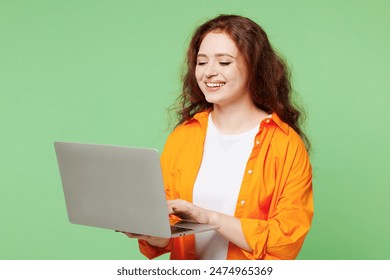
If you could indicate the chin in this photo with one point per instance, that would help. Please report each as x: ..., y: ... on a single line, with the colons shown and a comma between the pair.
x: 211, y: 99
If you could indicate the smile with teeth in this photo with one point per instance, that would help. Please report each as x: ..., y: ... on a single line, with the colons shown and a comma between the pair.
x: 215, y: 85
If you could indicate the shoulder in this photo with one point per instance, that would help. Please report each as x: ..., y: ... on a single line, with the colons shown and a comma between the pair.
x: 285, y: 139
x: 195, y: 127
x: 188, y: 135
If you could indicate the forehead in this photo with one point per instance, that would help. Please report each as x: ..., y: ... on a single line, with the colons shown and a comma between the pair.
x: 219, y: 42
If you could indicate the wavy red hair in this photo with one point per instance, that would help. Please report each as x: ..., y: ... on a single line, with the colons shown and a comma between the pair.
x: 268, y: 74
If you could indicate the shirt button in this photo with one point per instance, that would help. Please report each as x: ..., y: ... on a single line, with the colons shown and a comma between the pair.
x: 242, y: 202
x: 267, y: 120
x: 250, y: 171
x: 257, y: 142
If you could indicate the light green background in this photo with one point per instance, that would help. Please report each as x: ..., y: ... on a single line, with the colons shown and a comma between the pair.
x: 106, y: 71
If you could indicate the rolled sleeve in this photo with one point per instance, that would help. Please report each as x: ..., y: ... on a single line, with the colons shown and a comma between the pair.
x: 281, y: 236
x: 152, y: 252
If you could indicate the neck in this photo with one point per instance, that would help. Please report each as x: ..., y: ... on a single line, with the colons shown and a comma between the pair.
x: 237, y: 120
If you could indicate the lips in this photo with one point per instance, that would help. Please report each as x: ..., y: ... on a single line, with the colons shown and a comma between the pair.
x: 215, y: 84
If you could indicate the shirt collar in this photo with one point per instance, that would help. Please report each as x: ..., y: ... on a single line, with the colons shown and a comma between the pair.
x: 281, y: 124
x: 202, y: 118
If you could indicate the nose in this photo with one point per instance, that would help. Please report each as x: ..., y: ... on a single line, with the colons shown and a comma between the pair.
x: 210, y: 70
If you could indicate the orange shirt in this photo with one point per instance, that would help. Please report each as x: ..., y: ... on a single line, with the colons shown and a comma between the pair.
x: 275, y: 203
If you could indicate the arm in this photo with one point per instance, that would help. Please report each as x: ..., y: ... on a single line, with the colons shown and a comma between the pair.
x: 229, y: 226
x: 280, y: 233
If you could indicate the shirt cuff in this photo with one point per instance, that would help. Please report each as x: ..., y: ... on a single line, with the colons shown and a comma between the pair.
x: 152, y: 252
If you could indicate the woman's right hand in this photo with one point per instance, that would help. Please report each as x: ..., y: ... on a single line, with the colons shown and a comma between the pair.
x: 152, y: 240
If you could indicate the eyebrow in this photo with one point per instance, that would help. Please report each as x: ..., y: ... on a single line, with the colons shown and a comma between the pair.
x: 217, y: 55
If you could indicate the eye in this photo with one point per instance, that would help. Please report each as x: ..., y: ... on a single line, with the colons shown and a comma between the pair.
x: 224, y: 63
x: 200, y: 63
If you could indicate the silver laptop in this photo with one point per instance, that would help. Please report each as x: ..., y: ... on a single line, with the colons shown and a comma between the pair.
x: 118, y: 188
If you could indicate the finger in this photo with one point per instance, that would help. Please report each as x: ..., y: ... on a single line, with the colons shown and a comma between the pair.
x: 173, y: 204
x: 182, y: 208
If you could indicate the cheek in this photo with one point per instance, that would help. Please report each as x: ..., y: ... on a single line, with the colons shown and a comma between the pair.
x: 239, y: 77
x: 199, y: 77
x: 198, y: 74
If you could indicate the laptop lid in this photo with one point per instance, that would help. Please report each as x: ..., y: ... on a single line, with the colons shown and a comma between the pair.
x: 114, y: 187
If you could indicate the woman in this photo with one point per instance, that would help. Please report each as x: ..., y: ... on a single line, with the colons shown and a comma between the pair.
x: 236, y: 159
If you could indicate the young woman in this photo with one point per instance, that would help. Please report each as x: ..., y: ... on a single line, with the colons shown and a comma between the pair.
x: 238, y: 158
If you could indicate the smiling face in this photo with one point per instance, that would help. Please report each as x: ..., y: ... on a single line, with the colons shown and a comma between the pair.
x: 220, y: 71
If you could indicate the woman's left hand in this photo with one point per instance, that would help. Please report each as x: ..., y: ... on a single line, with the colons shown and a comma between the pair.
x: 188, y: 211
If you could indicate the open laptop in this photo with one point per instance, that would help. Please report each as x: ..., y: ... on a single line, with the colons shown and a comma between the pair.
x: 118, y: 188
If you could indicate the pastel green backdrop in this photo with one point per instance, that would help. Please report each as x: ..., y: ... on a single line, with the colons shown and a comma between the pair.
x: 106, y: 71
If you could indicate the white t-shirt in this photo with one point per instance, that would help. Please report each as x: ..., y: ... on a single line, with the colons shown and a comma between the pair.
x: 218, y: 182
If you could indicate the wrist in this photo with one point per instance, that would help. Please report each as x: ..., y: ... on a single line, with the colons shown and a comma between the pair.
x: 213, y: 218
x: 159, y: 243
